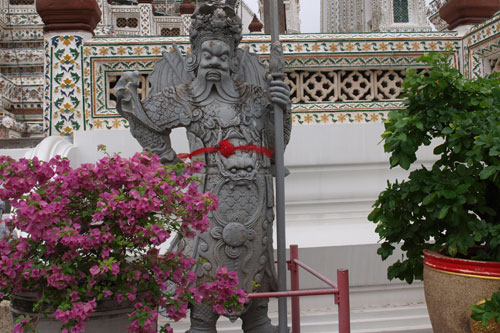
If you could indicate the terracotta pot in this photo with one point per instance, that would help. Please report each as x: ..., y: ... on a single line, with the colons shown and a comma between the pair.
x: 69, y: 15
x: 108, y: 317
x: 255, y: 25
x: 463, y: 12
x: 452, y: 285
x: 187, y: 7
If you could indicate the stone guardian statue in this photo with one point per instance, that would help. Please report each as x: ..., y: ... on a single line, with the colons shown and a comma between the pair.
x: 221, y: 95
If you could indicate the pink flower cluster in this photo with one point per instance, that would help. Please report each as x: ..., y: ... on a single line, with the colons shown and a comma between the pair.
x: 93, y: 232
x: 222, y: 292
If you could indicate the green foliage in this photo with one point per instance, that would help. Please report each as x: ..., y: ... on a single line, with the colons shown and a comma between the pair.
x: 454, y: 205
x: 488, y: 310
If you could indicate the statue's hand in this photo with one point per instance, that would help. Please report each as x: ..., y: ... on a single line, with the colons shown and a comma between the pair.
x: 126, y: 84
x: 279, y: 92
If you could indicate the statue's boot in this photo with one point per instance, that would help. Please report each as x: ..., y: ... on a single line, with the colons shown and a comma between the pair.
x: 203, y: 319
x: 255, y: 319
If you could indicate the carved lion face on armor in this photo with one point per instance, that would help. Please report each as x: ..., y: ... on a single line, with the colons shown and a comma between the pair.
x: 215, y: 28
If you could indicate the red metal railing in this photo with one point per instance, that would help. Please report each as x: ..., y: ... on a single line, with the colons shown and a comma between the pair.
x: 340, y: 290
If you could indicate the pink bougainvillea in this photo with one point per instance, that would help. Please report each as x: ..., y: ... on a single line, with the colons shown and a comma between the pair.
x: 93, y: 233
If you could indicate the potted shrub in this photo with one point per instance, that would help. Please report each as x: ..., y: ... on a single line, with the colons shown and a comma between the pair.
x: 89, y: 242
x: 451, y: 210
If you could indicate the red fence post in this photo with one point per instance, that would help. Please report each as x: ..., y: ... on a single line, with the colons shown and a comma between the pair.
x: 294, y: 282
x: 344, y: 310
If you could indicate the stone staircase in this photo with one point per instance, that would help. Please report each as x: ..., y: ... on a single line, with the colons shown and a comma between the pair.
x: 408, y: 319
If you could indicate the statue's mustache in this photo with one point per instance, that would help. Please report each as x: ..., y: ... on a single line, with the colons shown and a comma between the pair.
x: 212, y: 75
x: 210, y: 79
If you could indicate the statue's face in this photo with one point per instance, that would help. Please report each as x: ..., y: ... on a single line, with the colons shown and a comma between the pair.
x: 214, y: 62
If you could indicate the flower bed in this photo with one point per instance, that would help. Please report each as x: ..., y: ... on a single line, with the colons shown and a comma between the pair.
x: 93, y: 233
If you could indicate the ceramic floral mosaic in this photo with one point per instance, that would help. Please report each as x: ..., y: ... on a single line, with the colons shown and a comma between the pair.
x: 481, y: 43
x: 64, y: 100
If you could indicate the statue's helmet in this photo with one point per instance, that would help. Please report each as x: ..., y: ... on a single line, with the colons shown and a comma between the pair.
x: 214, y: 21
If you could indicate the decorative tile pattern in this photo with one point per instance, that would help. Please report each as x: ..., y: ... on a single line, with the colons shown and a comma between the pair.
x: 482, y: 42
x: 63, y: 112
x: 339, y: 113
x: 24, y: 34
x: 324, y: 85
x: 13, y: 92
x: 186, y: 23
x: 146, y: 19
x: 170, y: 23
x: 47, y: 114
x: 21, y: 56
x: 380, y: 58
x: 432, y: 12
x: 27, y: 18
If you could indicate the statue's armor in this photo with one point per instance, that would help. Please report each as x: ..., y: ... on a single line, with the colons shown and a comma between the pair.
x: 240, y: 235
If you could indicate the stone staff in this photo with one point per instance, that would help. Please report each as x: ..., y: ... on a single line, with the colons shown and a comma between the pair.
x: 276, y: 65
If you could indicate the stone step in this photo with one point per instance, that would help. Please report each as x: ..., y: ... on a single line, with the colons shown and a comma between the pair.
x: 411, y: 318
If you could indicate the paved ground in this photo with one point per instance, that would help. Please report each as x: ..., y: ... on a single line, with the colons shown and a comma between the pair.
x: 404, y: 319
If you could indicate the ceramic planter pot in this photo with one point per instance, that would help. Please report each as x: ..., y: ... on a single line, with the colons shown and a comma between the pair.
x: 69, y: 15
x: 464, y: 12
x: 109, y: 316
x: 452, y: 285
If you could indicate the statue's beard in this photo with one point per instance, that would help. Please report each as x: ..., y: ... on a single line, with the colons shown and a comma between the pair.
x: 213, y: 80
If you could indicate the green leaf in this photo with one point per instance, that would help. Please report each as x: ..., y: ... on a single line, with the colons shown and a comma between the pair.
x: 488, y: 171
x: 477, y: 309
x: 404, y: 162
x: 443, y: 212
x: 448, y: 194
x: 373, y: 215
x: 452, y: 249
x: 440, y: 149
x: 447, y: 131
x: 462, y: 188
x: 428, y: 199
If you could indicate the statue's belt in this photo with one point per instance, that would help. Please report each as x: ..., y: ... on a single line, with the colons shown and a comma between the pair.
x: 227, y: 149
